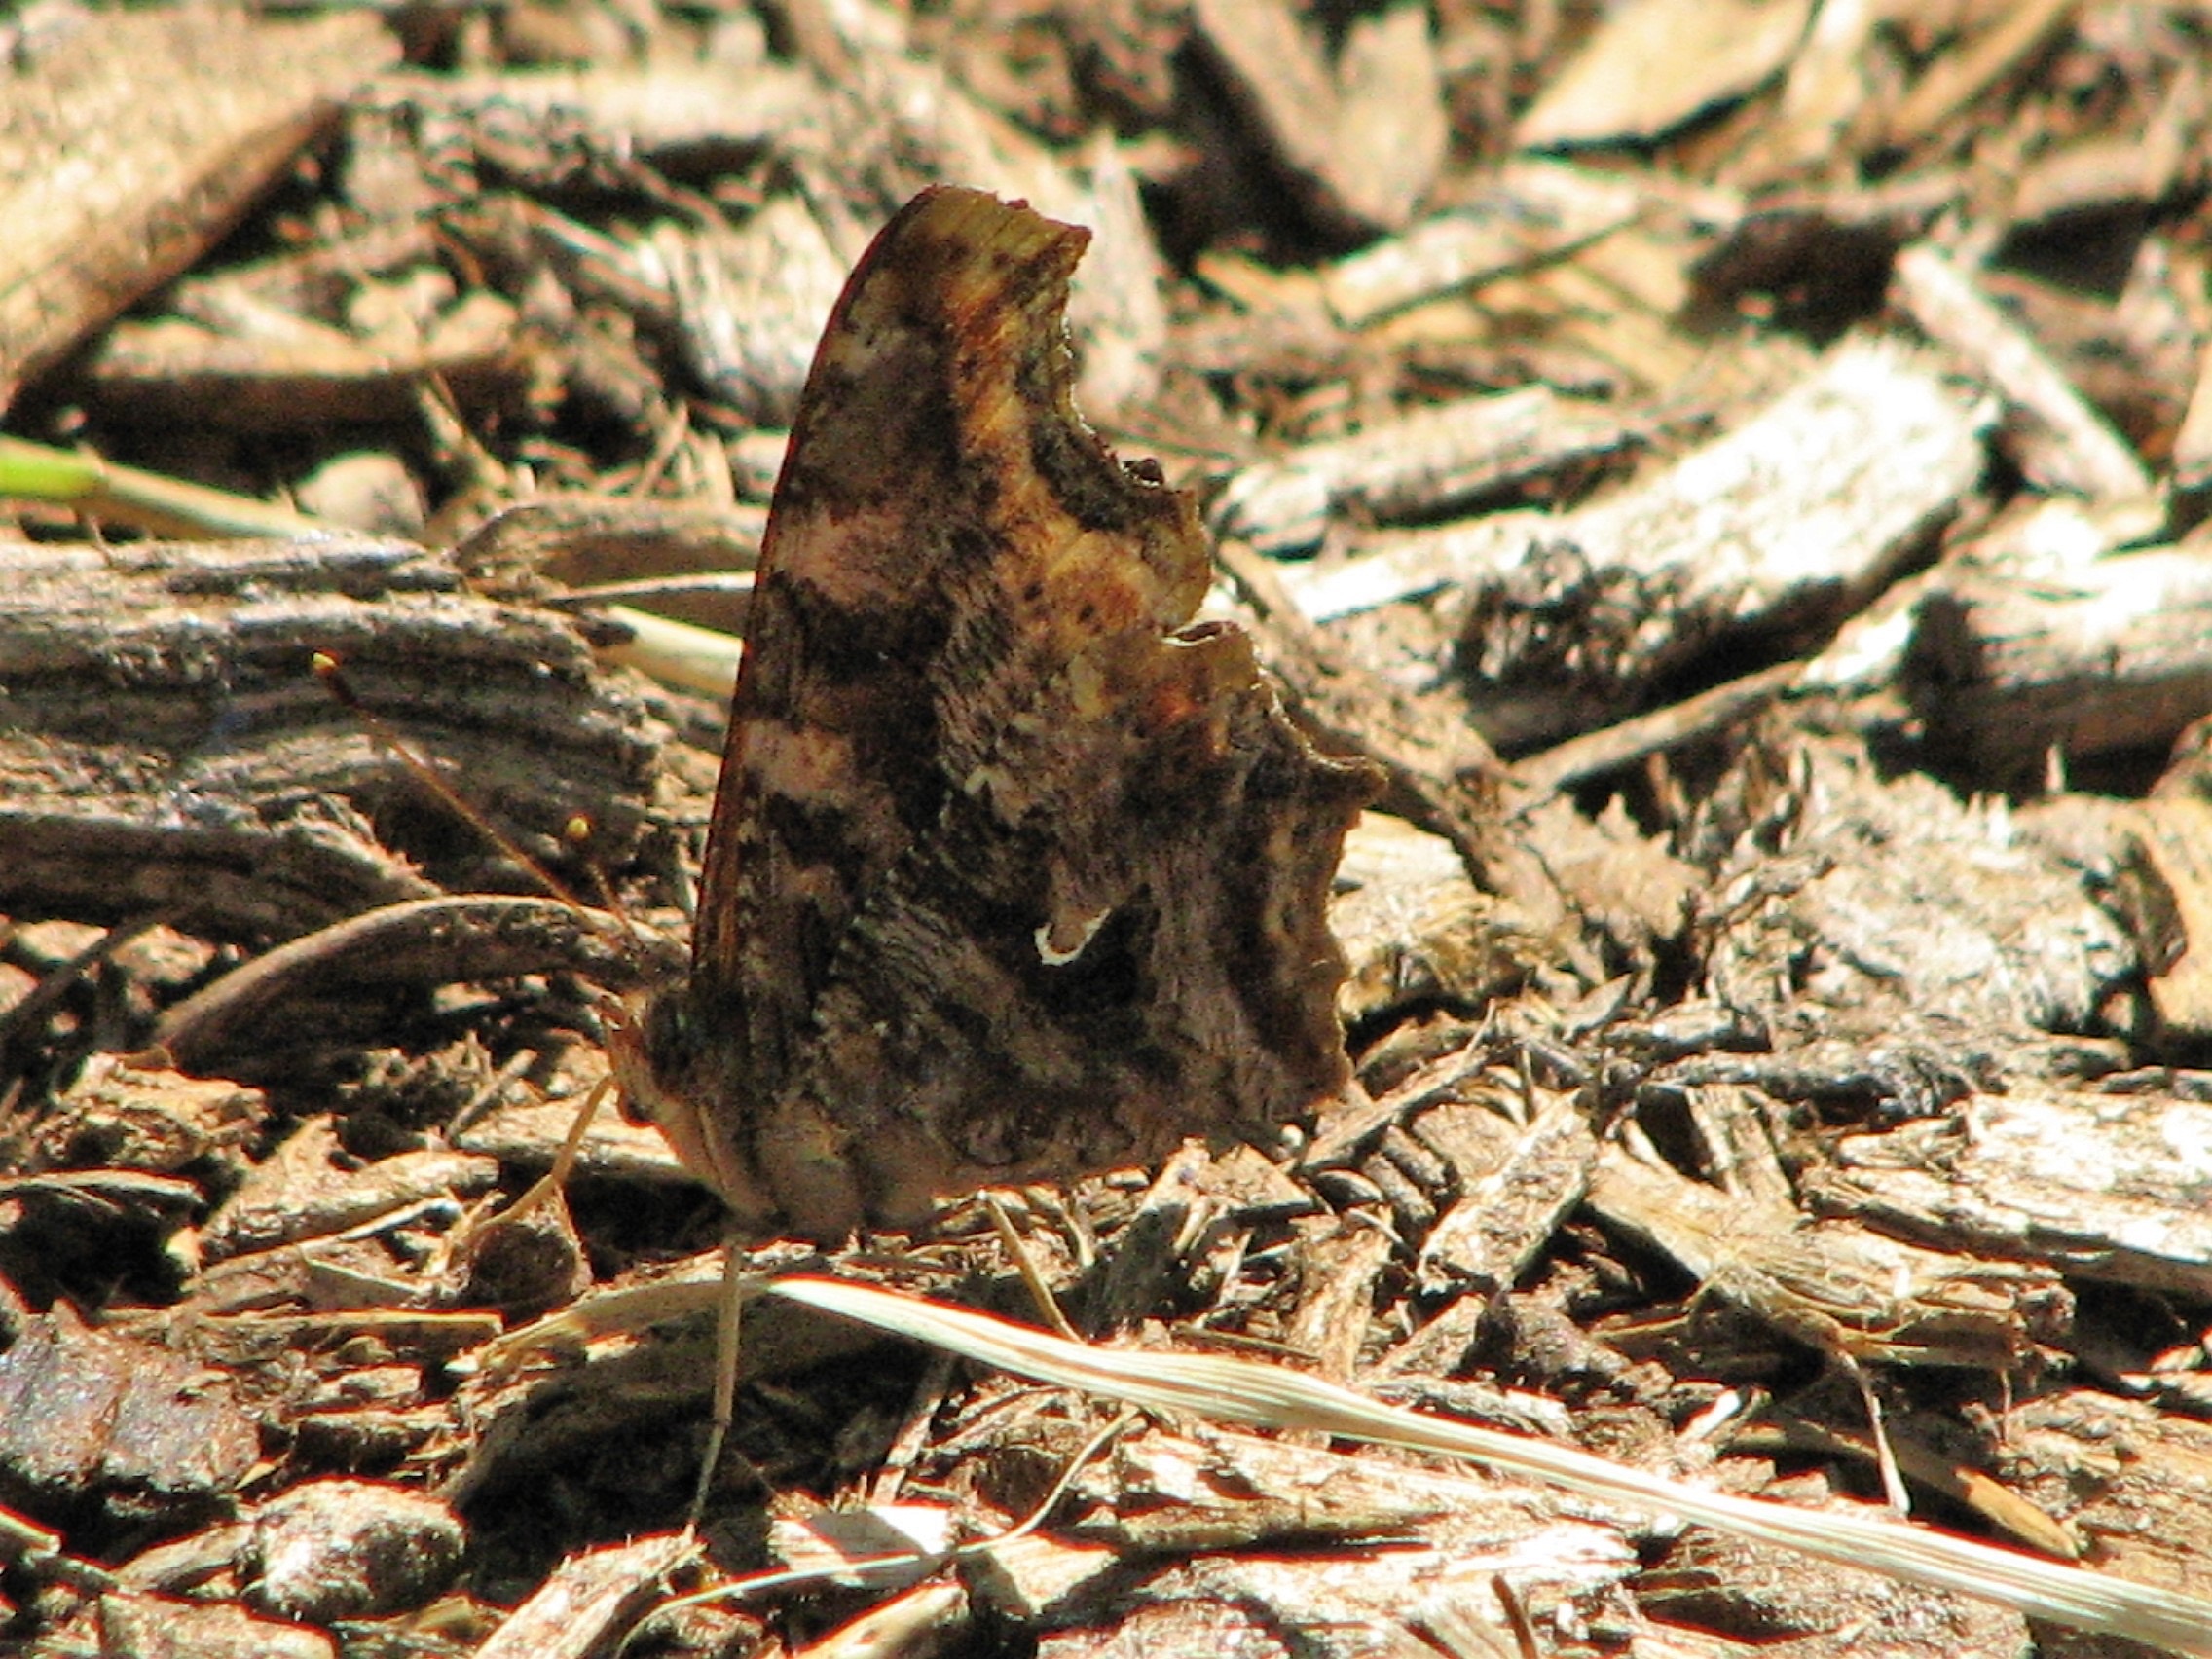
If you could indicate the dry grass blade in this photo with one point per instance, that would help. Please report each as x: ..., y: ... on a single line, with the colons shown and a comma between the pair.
x: 1269, y: 1396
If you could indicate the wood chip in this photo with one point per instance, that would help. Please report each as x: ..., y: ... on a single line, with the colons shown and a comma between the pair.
x: 1651, y: 66
x: 129, y: 149
x: 2064, y: 442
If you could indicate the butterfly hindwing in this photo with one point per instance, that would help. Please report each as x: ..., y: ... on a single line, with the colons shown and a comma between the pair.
x: 1012, y: 873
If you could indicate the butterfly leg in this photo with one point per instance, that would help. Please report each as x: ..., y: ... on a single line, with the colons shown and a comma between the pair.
x: 728, y: 1347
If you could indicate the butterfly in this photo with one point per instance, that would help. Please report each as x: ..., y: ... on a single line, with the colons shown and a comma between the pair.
x: 1014, y: 872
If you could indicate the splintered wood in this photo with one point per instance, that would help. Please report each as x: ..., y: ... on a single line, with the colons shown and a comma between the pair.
x: 1780, y: 528
x: 1736, y: 477
x: 103, y: 760
x: 101, y: 210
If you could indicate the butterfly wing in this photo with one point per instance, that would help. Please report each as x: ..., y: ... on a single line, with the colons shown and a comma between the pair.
x: 1011, y: 872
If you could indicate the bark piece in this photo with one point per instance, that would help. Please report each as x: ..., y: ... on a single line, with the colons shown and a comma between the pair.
x: 1788, y: 521
x: 598, y: 557
x: 1249, y: 1501
x: 284, y: 372
x: 89, y: 1415
x: 2128, y: 1477
x: 1910, y: 915
x: 245, y: 1341
x: 1749, y: 1597
x: 343, y: 1549
x: 1026, y: 1578
x: 1707, y: 715
x: 1360, y: 141
x: 1415, y: 929
x: 1391, y: 132
x: 306, y: 1191
x: 929, y: 1618
x: 2031, y: 541
x: 1151, y: 1253
x: 1829, y: 84
x: 2099, y: 1184
x: 1843, y: 1290
x: 529, y: 1137
x: 1532, y: 211
x: 2103, y: 657
x: 400, y: 947
x: 129, y: 1625
x: 1614, y: 876
x: 2008, y: 39
x: 749, y: 300
x: 2099, y: 175
x: 668, y: 113
x: 1413, y: 466
x: 371, y: 492
x: 1783, y: 526
x: 128, y: 1115
x: 590, y: 1600
x: 2171, y: 862
x: 1510, y: 1209
x: 2064, y: 443
x: 1651, y: 66
x: 2193, y: 444
x: 1340, y: 1260
x: 134, y: 146
x: 168, y: 749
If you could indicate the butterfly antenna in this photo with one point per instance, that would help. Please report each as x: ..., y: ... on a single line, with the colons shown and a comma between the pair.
x: 578, y: 834
x: 380, y: 730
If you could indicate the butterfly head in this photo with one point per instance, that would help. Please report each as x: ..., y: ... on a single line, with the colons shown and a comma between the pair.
x: 664, y: 1065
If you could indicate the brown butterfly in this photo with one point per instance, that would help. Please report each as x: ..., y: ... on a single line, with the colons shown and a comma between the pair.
x: 1014, y: 872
